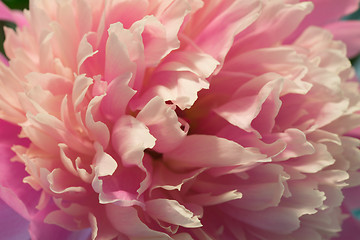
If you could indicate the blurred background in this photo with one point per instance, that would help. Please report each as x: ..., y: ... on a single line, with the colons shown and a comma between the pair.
x: 17, y: 4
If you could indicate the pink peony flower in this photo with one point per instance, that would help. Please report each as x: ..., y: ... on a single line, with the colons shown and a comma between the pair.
x: 178, y: 119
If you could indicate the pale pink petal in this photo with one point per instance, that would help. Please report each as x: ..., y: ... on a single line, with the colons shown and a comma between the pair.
x: 205, y: 151
x: 130, y: 147
x: 61, y: 182
x: 164, y: 178
x: 296, y: 145
x: 264, y: 188
x: 330, y: 222
x: 117, y: 98
x: 242, y: 111
x: 180, y: 78
x: 171, y: 14
x: 172, y: 212
x: 272, y: 26
x: 98, y: 131
x: 126, y: 140
x: 314, y: 162
x: 126, y: 220
x: 105, y: 165
x: 279, y: 220
x: 274, y: 60
x: 206, y: 199
x: 158, y: 41
x: 120, y: 46
x: 163, y: 124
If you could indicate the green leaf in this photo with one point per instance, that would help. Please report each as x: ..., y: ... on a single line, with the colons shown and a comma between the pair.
x: 17, y: 4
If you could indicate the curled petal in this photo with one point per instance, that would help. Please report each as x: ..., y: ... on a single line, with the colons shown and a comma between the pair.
x: 172, y: 212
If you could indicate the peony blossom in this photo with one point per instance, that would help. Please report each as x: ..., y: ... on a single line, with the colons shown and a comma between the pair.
x: 178, y: 119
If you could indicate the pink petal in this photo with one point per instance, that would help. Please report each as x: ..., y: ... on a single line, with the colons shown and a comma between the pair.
x: 244, y: 109
x: 274, y: 25
x: 12, y: 15
x: 348, y: 32
x: 154, y: 39
x: 40, y: 230
x: 263, y: 189
x: 210, y: 151
x: 164, y: 178
x: 325, y: 12
x: 296, y: 144
x: 180, y: 78
x: 126, y: 220
x: 105, y: 165
x: 98, y: 130
x: 217, y: 36
x: 3, y: 59
x: 171, y: 14
x: 314, y: 162
x: 163, y: 124
x: 101, y: 228
x: 20, y: 196
x: 117, y: 97
x: 172, y: 212
x: 12, y: 226
x: 280, y: 220
x: 350, y: 230
x: 5, y: 12
x: 130, y: 138
x: 207, y: 199
x: 121, y: 48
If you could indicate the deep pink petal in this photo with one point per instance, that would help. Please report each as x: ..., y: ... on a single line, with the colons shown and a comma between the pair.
x: 12, y: 225
x: 40, y: 230
x: 3, y: 59
x: 20, y: 196
x: 326, y: 12
x: 349, y: 33
x: 11, y: 15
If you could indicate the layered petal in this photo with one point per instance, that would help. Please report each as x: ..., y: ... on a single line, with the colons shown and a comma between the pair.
x: 179, y: 119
